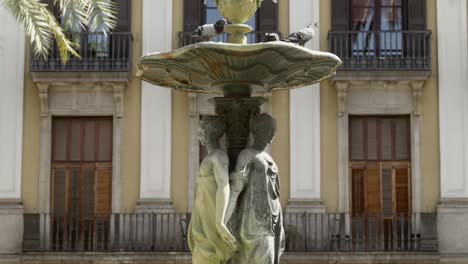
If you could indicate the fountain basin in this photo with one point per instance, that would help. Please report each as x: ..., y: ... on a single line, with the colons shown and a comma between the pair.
x: 213, y: 67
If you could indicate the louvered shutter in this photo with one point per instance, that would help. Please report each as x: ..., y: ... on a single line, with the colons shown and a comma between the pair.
x: 105, y: 140
x: 89, y: 179
x: 59, y: 191
x: 402, y: 191
x: 373, y: 189
x: 372, y: 139
x: 89, y: 140
x: 386, y: 139
x: 193, y: 14
x: 75, y: 140
x: 103, y: 191
x: 357, y: 139
x: 60, y: 139
x: 357, y: 192
x: 387, y: 191
x: 402, y: 141
x: 340, y: 14
x: 124, y: 16
x: 268, y: 17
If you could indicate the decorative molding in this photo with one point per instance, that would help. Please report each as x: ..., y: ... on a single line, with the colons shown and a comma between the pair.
x: 80, y: 99
x: 119, y: 90
x: 44, y: 98
x: 417, y: 87
x: 342, y: 90
x: 377, y: 98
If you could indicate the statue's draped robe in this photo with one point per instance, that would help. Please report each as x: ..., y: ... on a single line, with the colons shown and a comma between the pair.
x: 203, y: 237
x: 257, y: 222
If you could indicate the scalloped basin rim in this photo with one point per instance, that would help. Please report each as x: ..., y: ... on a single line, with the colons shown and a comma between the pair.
x: 199, y: 67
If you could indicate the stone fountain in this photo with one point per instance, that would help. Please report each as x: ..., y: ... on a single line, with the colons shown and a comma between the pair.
x: 236, y: 70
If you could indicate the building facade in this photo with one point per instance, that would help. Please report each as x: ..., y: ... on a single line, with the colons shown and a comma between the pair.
x: 371, y: 161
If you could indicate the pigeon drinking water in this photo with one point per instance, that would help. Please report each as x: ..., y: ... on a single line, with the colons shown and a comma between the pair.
x: 209, y: 31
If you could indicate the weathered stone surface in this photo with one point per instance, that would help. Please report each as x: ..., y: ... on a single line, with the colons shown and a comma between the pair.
x: 211, y: 67
x: 209, y: 239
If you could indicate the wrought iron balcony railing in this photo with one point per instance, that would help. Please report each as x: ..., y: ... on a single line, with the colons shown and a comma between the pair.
x: 186, y: 38
x: 167, y: 232
x: 386, y: 50
x: 99, y: 52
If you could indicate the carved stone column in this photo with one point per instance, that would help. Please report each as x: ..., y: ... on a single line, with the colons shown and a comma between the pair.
x: 237, y: 113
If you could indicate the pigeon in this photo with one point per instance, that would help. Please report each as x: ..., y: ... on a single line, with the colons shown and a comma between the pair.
x: 302, y: 36
x: 271, y: 37
x: 209, y: 31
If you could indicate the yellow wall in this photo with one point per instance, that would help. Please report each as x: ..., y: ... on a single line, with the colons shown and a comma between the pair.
x: 180, y: 128
x: 280, y: 109
x: 132, y: 126
x: 430, y: 161
x: 31, y: 141
x: 328, y: 123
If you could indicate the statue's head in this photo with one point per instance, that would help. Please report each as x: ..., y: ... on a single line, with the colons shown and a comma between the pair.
x: 211, y: 129
x: 263, y: 128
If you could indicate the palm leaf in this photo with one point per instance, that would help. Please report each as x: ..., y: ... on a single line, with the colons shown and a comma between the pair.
x: 101, y: 14
x: 42, y: 27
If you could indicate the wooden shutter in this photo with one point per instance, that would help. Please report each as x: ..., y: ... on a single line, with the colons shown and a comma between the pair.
x: 60, y: 140
x: 356, y: 139
x: 402, y: 191
x: 103, y: 191
x: 386, y: 139
x: 105, y: 140
x: 357, y: 192
x: 416, y: 14
x: 88, y: 184
x: 193, y: 14
x: 268, y: 17
x: 402, y: 141
x: 124, y: 16
x: 340, y: 14
x: 387, y: 191
x: 59, y: 193
x: 372, y: 139
x: 89, y: 140
x: 373, y: 189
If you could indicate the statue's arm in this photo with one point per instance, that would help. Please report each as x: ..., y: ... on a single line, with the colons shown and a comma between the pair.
x: 220, y: 168
x: 238, y: 179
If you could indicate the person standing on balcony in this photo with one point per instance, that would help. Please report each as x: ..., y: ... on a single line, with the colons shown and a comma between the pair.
x: 209, y: 239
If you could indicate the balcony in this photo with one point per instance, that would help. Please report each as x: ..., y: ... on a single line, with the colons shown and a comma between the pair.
x: 382, y: 51
x: 167, y: 232
x: 99, y: 53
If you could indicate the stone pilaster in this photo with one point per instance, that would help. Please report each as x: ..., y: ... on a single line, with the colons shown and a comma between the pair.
x: 305, y: 194
x: 11, y: 132
x: 156, y: 115
x: 453, y: 125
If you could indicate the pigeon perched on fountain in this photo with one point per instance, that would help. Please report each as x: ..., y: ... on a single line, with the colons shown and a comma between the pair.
x: 209, y: 31
x: 300, y: 37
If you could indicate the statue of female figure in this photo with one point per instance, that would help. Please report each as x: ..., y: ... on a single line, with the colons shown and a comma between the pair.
x: 254, y: 200
x: 209, y: 239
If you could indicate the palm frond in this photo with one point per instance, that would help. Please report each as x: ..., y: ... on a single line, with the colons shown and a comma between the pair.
x: 101, y: 14
x: 31, y: 14
x: 73, y: 14
x: 41, y: 26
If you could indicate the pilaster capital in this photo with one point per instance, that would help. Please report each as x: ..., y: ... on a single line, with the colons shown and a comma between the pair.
x: 43, y: 88
x: 119, y: 92
x: 417, y: 87
x: 342, y: 91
